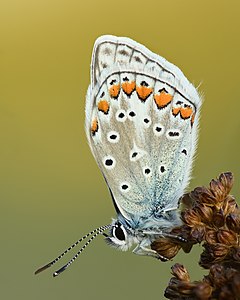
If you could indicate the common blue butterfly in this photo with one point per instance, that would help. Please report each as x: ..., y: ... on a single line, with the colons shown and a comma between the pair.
x: 141, y: 123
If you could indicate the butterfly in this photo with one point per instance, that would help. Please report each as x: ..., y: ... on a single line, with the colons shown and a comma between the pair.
x: 142, y: 127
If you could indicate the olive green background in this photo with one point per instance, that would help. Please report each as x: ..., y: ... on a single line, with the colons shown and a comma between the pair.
x: 52, y: 191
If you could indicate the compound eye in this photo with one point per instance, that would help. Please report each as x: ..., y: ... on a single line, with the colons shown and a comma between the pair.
x: 119, y: 232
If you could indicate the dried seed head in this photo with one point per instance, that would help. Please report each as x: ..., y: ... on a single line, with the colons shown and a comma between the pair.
x: 209, y: 215
x: 236, y: 256
x: 233, y: 221
x: 198, y: 234
x: 227, y: 180
x: 187, y: 201
x: 221, y: 187
x: 229, y: 205
x: 211, y: 236
x: 180, y: 272
x: 212, y: 254
x: 216, y: 275
x: 180, y: 287
x: 191, y: 217
x: 203, y: 195
x: 205, y: 213
x: 218, y: 217
x: 165, y: 247
x: 225, y: 282
x: 227, y: 237
x: 203, y: 291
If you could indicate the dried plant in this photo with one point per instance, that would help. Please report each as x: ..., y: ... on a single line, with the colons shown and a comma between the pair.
x: 211, y: 217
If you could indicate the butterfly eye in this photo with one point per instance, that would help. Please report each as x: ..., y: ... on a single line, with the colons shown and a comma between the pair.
x: 119, y: 232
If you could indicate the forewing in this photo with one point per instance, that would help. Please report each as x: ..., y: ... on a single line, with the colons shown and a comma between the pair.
x: 141, y: 123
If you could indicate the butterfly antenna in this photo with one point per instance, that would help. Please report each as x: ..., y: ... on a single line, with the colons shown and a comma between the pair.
x: 80, y: 251
x: 96, y: 231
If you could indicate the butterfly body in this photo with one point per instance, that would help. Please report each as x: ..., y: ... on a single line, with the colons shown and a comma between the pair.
x: 141, y: 123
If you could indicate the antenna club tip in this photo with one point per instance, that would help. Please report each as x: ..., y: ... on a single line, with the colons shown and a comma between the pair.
x: 42, y: 269
x: 55, y: 274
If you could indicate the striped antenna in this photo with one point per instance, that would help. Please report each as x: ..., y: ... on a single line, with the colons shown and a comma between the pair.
x: 77, y: 254
x: 96, y: 232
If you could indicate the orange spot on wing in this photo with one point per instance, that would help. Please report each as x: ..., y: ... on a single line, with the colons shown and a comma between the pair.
x: 192, y: 119
x: 94, y: 126
x: 176, y: 111
x: 163, y: 99
x: 103, y: 106
x: 128, y: 87
x: 114, y: 90
x: 143, y: 92
x: 186, y: 112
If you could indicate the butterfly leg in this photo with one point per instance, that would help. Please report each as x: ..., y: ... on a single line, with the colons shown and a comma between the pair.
x: 165, y: 235
x: 176, y: 237
x: 142, y: 249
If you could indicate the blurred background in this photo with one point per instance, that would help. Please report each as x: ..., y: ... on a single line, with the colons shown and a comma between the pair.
x: 52, y: 191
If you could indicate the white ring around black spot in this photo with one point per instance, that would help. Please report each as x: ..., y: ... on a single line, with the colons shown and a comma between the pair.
x: 158, y: 129
x: 121, y: 115
x: 173, y: 134
x: 147, y: 171
x: 109, y: 162
x: 113, y: 137
x: 125, y: 187
x: 147, y: 121
x: 131, y: 114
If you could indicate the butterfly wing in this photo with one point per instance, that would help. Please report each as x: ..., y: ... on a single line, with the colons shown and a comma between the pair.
x: 141, y: 123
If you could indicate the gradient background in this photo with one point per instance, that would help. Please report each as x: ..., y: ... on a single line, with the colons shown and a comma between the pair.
x: 51, y: 189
